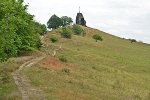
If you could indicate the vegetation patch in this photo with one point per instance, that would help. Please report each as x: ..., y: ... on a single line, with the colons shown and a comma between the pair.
x: 18, y: 31
x: 8, y: 89
x: 114, y: 69
x: 77, y: 29
x: 84, y: 33
x: 62, y: 58
x: 66, y: 32
x: 54, y: 38
x: 97, y: 37
x: 66, y: 70
x: 132, y: 40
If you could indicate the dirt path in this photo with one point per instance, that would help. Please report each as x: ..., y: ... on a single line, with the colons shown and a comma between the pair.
x: 24, y: 84
x: 54, y: 52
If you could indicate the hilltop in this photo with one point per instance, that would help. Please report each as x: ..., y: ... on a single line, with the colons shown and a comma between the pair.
x: 112, y: 69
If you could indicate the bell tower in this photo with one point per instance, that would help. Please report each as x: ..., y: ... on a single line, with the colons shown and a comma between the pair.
x: 79, y: 9
x: 80, y: 19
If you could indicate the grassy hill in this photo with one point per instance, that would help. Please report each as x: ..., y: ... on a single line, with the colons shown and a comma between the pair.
x: 114, y: 69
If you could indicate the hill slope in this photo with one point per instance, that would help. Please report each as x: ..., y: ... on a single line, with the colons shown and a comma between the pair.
x: 114, y: 69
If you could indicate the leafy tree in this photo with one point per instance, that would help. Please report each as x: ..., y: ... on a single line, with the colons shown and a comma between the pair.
x: 97, y: 37
x: 66, y: 20
x: 39, y: 28
x: 77, y: 29
x: 66, y: 32
x: 132, y: 40
x: 16, y: 31
x: 54, y: 22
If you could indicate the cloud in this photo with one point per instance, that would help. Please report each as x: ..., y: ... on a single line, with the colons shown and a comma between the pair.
x: 124, y: 18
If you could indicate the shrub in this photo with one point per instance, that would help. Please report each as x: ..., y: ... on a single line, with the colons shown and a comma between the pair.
x: 77, y: 29
x: 66, y: 70
x: 62, y: 58
x: 97, y: 37
x: 132, y: 40
x: 140, y: 41
x: 66, y: 32
x: 83, y: 33
x: 54, y: 38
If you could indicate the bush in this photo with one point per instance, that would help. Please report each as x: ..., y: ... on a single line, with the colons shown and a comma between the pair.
x: 77, y: 29
x: 66, y: 70
x: 66, y: 32
x: 63, y: 58
x: 140, y: 41
x: 132, y: 40
x: 83, y: 33
x: 54, y: 38
x: 97, y: 37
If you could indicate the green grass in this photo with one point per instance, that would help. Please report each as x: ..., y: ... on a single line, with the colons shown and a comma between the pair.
x: 112, y: 69
x: 8, y: 89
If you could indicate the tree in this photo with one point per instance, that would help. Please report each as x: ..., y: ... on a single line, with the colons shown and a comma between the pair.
x: 16, y: 31
x: 132, y: 40
x: 66, y: 20
x: 97, y: 37
x: 54, y: 22
x: 39, y: 28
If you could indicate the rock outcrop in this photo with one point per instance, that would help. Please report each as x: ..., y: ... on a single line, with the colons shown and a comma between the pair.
x: 80, y: 19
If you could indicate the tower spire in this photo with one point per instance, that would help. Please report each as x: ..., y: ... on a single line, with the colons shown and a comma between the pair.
x: 79, y: 9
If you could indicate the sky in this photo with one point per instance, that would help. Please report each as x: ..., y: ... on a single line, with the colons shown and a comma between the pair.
x: 122, y: 18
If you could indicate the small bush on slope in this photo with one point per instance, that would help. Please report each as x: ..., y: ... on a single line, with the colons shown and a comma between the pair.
x: 54, y: 39
x: 66, y: 32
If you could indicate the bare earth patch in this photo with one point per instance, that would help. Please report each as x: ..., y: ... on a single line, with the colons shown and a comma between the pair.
x: 21, y: 59
x: 52, y: 62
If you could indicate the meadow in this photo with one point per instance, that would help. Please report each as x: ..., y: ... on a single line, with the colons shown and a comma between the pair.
x: 8, y: 89
x: 112, y: 69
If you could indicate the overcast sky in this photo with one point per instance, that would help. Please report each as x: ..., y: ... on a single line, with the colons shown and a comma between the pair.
x: 123, y: 18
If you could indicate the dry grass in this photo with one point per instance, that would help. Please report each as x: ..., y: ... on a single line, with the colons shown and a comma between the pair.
x: 113, y: 69
x: 8, y: 88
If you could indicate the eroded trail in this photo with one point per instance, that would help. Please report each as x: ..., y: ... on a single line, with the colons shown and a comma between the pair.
x: 24, y: 84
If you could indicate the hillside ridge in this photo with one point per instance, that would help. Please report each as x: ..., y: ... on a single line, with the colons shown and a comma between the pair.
x: 82, y: 69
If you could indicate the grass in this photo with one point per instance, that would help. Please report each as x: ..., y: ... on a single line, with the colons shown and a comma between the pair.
x: 112, y: 69
x: 8, y: 89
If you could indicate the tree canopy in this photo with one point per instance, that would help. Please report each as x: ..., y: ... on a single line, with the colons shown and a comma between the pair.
x: 17, y: 33
x: 97, y: 37
x: 54, y: 22
x: 39, y: 28
x: 132, y: 40
x: 66, y: 20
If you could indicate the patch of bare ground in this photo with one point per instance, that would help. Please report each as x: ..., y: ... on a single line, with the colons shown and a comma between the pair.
x: 26, y: 56
x: 53, y: 62
x: 21, y: 59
